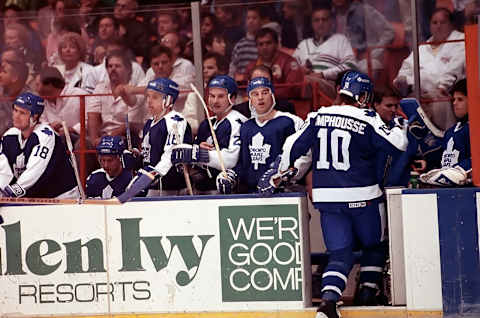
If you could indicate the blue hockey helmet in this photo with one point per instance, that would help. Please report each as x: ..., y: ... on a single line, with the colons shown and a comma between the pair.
x: 165, y: 86
x: 31, y: 102
x: 111, y: 145
x: 225, y: 82
x: 357, y: 86
x: 259, y: 82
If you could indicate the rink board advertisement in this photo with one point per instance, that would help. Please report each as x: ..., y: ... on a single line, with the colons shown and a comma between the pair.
x: 241, y: 253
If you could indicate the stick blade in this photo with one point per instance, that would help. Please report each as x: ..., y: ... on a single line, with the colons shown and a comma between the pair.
x: 142, y: 183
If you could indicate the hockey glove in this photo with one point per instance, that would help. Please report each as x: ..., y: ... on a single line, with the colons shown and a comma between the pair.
x: 226, y: 184
x: 186, y: 153
x: 272, y: 180
x: 445, y: 177
x: 13, y: 191
x: 144, y: 178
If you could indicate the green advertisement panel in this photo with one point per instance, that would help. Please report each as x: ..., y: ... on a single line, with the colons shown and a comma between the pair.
x: 260, y: 249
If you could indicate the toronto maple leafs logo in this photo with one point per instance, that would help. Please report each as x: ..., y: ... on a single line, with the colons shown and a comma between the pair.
x: 107, y: 192
x: 450, y: 155
x: 259, y: 152
x: 19, y: 166
x: 177, y: 118
x: 47, y: 131
x: 370, y: 113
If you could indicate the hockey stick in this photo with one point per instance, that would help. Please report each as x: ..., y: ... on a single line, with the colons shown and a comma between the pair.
x: 186, y: 175
x: 214, y: 136
x: 128, y: 133
x: 74, y: 161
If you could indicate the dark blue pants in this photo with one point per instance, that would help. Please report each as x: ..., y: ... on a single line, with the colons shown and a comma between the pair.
x: 342, y: 225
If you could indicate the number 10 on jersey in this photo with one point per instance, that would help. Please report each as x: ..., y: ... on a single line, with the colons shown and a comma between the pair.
x: 339, y: 142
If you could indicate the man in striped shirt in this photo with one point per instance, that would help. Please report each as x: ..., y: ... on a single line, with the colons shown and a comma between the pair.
x: 327, y: 53
x: 245, y: 50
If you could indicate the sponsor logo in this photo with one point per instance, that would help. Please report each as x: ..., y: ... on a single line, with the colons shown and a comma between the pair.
x: 260, y: 250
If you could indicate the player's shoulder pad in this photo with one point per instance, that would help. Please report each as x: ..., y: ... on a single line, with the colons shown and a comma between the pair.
x: 236, y: 118
x: 12, y: 132
x: 96, y: 174
x: 45, y: 133
x: 298, y: 122
x: 175, y: 117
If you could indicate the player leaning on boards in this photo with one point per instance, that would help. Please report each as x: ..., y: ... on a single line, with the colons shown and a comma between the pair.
x: 261, y: 138
x: 222, y: 91
x: 33, y: 158
x: 344, y: 141
x: 161, y: 133
x: 112, y: 178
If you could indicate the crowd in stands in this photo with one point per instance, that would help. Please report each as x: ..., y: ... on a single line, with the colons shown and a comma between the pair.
x: 113, y: 49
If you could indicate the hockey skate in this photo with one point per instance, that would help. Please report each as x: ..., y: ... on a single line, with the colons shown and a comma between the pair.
x: 327, y: 309
x: 366, y: 296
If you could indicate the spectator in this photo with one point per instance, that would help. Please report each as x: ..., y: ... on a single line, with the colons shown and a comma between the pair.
x: 134, y: 33
x: 269, y: 20
x: 245, y: 51
x: 441, y: 65
x: 13, y: 77
x: 365, y: 27
x: 61, y: 25
x: 247, y: 110
x: 106, y: 114
x: 100, y: 74
x: 216, y: 43
x: 167, y: 22
x: 16, y: 36
x: 185, y: 23
x: 99, y: 54
x: 229, y: 21
x: 213, y: 64
x: 13, y: 15
x: 208, y: 25
x: 58, y: 109
x: 45, y: 17
x: 284, y: 67
x: 326, y: 54
x: 88, y: 11
x: 108, y: 29
x: 294, y: 23
x: 72, y: 52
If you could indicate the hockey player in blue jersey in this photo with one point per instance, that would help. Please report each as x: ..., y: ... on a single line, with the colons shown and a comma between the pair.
x: 161, y: 133
x: 456, y: 162
x: 261, y: 138
x: 111, y: 179
x: 222, y: 90
x: 344, y: 141
x: 33, y: 158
